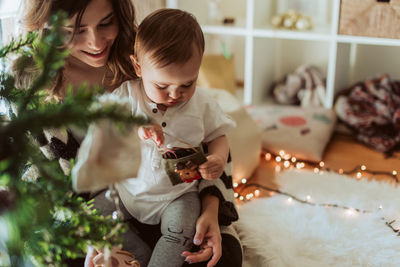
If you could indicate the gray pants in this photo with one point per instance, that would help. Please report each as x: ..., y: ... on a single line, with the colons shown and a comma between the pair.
x: 178, y: 226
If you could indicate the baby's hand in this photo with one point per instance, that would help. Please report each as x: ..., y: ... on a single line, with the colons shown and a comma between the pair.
x: 212, y: 168
x: 153, y: 131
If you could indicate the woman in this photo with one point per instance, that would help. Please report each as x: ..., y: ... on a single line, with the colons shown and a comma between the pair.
x: 102, y: 34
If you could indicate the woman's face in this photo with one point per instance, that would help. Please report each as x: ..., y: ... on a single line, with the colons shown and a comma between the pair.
x: 95, y: 35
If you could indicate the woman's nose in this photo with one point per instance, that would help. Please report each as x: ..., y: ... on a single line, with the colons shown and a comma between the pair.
x: 95, y: 41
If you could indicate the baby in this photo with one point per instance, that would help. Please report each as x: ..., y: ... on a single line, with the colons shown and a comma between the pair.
x: 167, y: 55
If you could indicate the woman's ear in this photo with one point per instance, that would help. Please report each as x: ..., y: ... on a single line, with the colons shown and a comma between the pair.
x: 136, y: 65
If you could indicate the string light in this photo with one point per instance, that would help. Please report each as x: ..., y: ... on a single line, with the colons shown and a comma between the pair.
x: 292, y: 161
x: 348, y: 210
x: 287, y: 157
x: 286, y: 164
x: 363, y: 167
x: 284, y: 160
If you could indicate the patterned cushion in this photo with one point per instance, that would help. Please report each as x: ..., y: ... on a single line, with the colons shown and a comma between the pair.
x: 300, y: 132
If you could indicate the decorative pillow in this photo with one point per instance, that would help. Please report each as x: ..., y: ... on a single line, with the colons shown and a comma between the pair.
x: 244, y: 140
x: 300, y: 132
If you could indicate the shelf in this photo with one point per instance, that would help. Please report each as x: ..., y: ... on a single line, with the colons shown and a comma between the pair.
x: 264, y: 54
x: 367, y: 40
x: 224, y: 30
x: 283, y: 34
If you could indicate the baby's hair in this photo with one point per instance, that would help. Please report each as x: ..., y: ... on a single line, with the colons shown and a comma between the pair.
x: 169, y: 35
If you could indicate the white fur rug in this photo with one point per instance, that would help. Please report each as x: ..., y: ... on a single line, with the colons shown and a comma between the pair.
x: 279, y: 232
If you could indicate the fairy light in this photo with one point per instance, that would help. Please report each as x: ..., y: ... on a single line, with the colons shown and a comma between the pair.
x: 244, y: 181
x: 287, y: 157
x: 322, y: 164
x: 268, y: 156
x: 236, y: 194
x: 394, y: 173
x: 281, y: 153
x: 359, y: 174
x: 278, y: 159
x: 350, y: 212
x: 235, y: 185
x: 293, y: 159
x: 363, y: 167
x: 316, y: 170
x: 286, y: 164
x: 277, y: 168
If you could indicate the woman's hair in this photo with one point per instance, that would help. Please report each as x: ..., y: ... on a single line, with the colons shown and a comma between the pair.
x: 37, y: 13
x: 169, y: 35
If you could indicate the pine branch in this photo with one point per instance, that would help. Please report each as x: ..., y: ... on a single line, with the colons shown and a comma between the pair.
x: 16, y: 45
x: 47, y: 222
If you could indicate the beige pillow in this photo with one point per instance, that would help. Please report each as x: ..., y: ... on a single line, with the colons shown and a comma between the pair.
x: 300, y: 132
x: 244, y: 140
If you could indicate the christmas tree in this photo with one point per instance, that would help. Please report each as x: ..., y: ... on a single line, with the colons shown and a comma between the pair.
x: 42, y: 221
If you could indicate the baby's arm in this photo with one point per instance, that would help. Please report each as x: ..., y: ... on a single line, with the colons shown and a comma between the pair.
x: 218, y: 155
x: 153, y: 131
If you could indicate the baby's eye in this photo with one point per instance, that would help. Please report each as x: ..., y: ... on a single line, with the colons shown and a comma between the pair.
x: 187, y: 85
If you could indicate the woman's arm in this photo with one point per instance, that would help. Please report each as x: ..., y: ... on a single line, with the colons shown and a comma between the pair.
x: 207, y: 235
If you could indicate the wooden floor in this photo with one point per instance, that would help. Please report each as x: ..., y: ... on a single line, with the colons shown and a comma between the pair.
x: 343, y: 152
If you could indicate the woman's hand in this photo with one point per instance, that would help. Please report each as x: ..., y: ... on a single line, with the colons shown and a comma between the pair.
x: 207, y: 235
x: 153, y: 131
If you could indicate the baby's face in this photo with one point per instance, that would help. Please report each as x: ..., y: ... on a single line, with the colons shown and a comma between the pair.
x: 172, y: 84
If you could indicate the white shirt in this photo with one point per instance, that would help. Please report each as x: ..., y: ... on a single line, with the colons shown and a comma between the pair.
x: 198, y: 120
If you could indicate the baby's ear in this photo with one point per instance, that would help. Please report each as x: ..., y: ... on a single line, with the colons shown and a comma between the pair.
x: 136, y: 65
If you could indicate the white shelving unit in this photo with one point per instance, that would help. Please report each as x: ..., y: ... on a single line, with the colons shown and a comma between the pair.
x: 263, y: 54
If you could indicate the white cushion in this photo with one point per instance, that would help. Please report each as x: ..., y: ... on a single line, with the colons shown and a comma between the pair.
x: 244, y: 140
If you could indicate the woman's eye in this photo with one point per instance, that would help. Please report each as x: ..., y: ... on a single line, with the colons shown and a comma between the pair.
x: 161, y: 87
x: 105, y: 24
